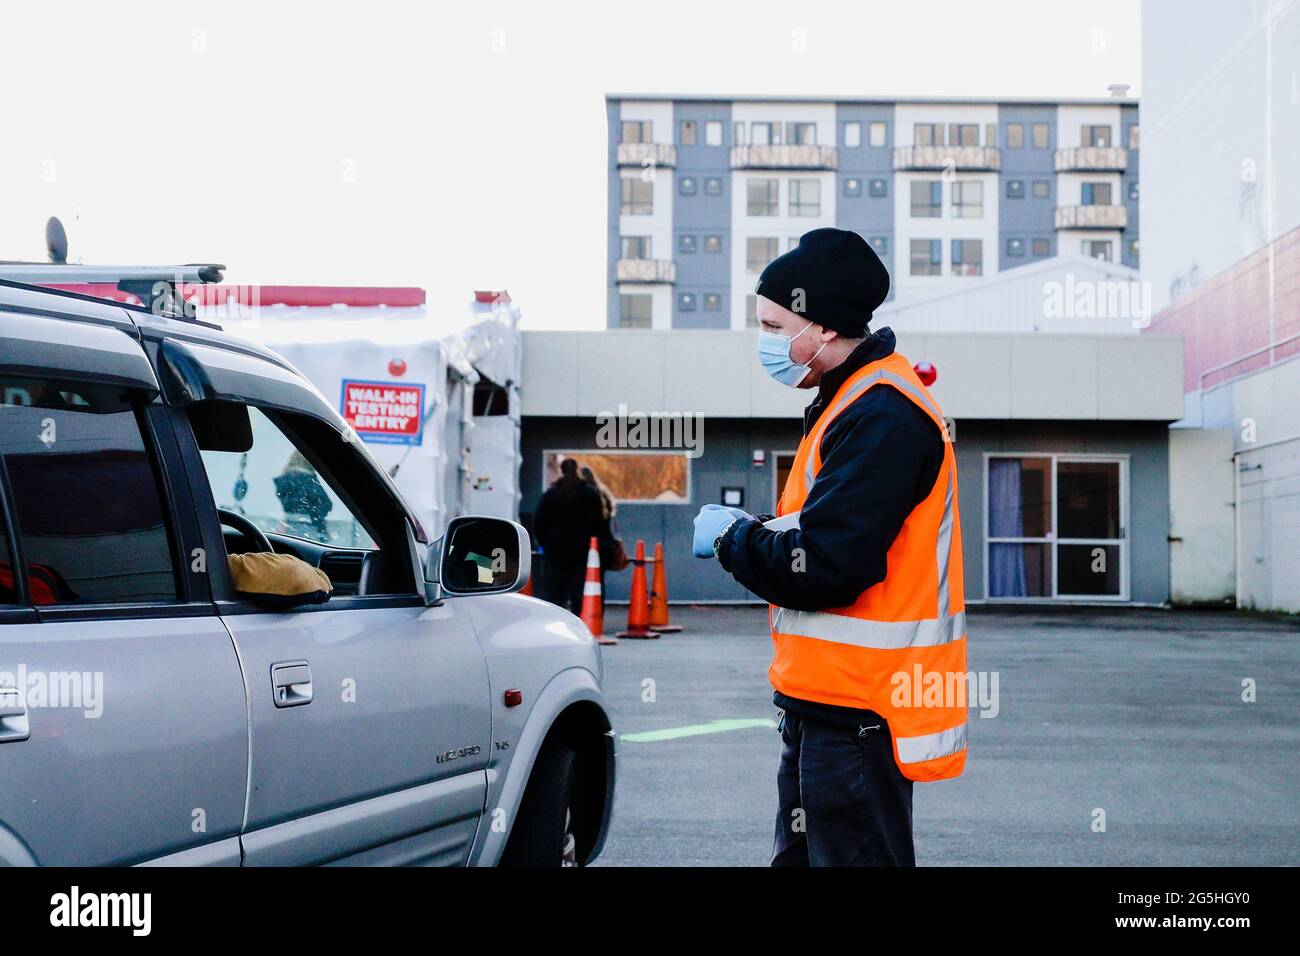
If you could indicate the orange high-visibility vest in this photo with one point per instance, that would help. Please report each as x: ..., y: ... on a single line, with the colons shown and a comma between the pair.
x: 900, y: 648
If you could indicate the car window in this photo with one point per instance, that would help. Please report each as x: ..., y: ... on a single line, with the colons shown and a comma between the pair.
x: 8, y: 587
x: 85, y: 494
x: 276, y: 486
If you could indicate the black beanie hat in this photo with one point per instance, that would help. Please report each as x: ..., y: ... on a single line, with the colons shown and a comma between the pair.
x: 833, y: 277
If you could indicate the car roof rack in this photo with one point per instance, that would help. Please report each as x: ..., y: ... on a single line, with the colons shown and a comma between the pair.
x: 158, y: 288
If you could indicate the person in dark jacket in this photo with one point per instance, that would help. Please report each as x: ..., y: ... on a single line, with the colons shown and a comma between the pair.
x: 567, y: 518
x: 880, y: 458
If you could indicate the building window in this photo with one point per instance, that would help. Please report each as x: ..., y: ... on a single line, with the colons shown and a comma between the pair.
x: 1015, y: 247
x: 687, y: 133
x: 792, y: 242
x: 713, y: 133
x: 968, y: 200
x: 686, y: 301
x: 876, y: 135
x: 760, y: 134
x: 712, y: 186
x: 1096, y: 194
x: 852, y: 134
x: 751, y: 311
x: 1133, y: 137
x: 801, y: 134
x: 1042, y: 189
x: 1040, y: 134
x: 636, y: 247
x: 638, y: 196
x: 967, y: 257
x: 1097, y: 249
x: 638, y: 131
x: 650, y: 477
x: 853, y: 187
x: 805, y: 197
x: 1041, y: 248
x: 763, y: 197
x: 963, y: 134
x: 1047, y: 518
x: 759, y: 251
x: 878, y: 188
x: 1096, y: 136
x: 990, y: 134
x: 1015, y: 135
x: 927, y: 199
x: 1133, y: 190
x: 685, y: 243
x: 738, y: 133
x: 634, y: 311
x: 880, y: 244
x: 1133, y: 248
x: 686, y: 185
x: 1015, y: 189
x: 712, y: 243
x: 927, y: 257
x: 712, y: 302
x: 927, y: 134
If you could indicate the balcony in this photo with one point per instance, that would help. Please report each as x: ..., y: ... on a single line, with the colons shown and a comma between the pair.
x: 646, y: 270
x: 1091, y: 217
x: 1092, y: 159
x: 784, y: 156
x: 962, y: 158
x: 643, y: 155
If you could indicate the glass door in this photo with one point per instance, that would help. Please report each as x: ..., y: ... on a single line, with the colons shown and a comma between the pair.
x: 1055, y: 527
x: 1090, y: 558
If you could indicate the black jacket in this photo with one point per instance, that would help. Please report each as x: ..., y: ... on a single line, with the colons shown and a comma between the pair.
x: 880, y: 459
x: 565, y: 523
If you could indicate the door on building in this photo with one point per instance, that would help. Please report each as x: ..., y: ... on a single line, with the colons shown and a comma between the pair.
x: 1056, y: 527
x: 783, y: 462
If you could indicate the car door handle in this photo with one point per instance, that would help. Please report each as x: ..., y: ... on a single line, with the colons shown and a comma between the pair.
x: 14, y: 725
x: 291, y: 683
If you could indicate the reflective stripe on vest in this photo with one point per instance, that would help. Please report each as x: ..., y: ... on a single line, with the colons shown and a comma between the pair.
x: 931, y: 746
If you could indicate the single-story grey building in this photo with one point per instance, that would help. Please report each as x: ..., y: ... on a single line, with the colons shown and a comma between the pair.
x: 1062, y: 443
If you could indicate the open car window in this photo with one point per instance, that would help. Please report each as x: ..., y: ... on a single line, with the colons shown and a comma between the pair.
x: 278, y: 488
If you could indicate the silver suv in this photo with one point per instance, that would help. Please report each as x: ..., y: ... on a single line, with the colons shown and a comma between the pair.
x: 149, y: 712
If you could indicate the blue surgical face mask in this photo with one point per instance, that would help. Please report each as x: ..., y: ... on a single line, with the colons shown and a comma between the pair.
x: 774, y: 353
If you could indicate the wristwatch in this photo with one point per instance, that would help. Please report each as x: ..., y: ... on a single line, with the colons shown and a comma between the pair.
x: 717, y: 542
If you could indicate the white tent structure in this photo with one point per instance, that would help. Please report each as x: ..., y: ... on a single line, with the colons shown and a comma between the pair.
x: 436, y: 398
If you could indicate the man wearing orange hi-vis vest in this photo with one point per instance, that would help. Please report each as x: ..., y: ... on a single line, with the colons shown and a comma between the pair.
x: 861, y: 565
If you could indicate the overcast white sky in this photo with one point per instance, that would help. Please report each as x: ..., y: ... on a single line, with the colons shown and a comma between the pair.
x: 393, y: 144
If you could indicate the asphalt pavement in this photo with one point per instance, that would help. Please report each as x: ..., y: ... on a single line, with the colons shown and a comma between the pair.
x: 1121, y: 737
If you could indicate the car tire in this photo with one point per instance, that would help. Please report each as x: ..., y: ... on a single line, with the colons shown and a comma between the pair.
x: 546, y: 827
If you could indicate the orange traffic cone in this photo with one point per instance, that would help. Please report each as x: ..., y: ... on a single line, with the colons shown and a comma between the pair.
x: 638, y: 608
x: 659, y: 596
x: 593, y: 611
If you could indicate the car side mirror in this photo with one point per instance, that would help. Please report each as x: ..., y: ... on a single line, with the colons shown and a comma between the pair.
x: 479, y: 555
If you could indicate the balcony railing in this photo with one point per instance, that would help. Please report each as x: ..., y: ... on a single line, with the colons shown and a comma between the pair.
x: 1092, y: 159
x: 646, y: 270
x: 647, y: 154
x: 784, y: 156
x: 971, y: 158
x: 1091, y: 217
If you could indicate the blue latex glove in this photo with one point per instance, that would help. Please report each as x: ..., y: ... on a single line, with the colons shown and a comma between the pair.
x: 711, y: 520
x: 735, y: 512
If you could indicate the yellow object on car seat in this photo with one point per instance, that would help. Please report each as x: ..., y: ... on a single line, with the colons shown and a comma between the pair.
x: 278, y: 580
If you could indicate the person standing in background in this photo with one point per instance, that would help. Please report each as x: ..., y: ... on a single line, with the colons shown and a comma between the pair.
x: 608, y: 509
x: 569, y: 515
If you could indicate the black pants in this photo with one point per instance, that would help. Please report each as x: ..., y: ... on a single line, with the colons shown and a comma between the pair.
x: 562, y: 581
x: 842, y: 799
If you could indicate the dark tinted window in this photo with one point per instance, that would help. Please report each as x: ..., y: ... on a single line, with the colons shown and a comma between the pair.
x: 8, y: 588
x: 85, y: 494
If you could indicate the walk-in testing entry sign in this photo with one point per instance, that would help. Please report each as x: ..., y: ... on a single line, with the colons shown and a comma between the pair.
x: 385, y: 412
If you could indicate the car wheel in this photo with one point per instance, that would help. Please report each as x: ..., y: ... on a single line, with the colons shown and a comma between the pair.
x: 546, y: 829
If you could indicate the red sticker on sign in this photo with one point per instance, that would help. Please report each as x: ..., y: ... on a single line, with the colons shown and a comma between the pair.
x: 384, y: 412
